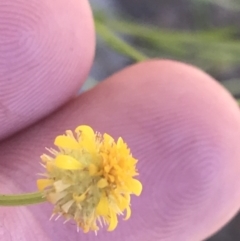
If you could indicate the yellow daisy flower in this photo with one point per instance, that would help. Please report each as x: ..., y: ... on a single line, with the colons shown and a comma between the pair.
x: 90, y: 178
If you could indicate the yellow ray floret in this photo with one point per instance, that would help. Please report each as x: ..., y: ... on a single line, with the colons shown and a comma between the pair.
x: 90, y: 178
x: 67, y: 162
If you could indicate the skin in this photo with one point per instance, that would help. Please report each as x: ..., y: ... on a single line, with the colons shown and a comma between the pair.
x: 181, y: 125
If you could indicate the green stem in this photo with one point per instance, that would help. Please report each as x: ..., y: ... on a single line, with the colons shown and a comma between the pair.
x: 181, y: 44
x: 118, y: 44
x: 21, y: 199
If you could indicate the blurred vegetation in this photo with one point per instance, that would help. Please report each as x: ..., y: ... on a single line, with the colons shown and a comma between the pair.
x: 233, y: 5
x: 209, y: 48
x: 215, y: 49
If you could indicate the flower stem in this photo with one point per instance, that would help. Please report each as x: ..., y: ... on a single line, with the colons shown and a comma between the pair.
x: 21, y: 199
x: 118, y: 44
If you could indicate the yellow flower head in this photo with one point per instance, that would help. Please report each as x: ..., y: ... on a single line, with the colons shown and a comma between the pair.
x: 90, y: 178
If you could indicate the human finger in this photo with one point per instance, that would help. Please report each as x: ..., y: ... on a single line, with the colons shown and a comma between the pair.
x: 181, y: 125
x: 46, y: 51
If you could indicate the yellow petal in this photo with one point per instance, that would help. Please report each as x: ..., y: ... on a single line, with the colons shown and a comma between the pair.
x: 113, y: 221
x: 108, y: 138
x: 67, y: 162
x: 135, y: 186
x: 86, y: 131
x: 43, y: 183
x: 119, y: 142
x: 66, y: 142
x: 87, y: 139
x: 128, y: 213
x: 92, y: 169
x: 90, y: 146
x: 107, y: 168
x: 123, y: 202
x: 103, y: 206
x: 102, y: 183
x: 127, y: 197
x: 133, y: 161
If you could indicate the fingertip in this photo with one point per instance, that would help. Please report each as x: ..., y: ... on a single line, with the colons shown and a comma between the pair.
x: 183, y: 128
x: 47, y: 49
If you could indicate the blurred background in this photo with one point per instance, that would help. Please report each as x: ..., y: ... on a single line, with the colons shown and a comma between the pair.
x: 205, y: 33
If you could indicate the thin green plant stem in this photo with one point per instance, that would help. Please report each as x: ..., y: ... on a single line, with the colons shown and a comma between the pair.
x: 118, y: 44
x: 219, y: 38
x: 183, y: 44
x: 21, y: 199
x: 144, y: 32
x: 229, y: 5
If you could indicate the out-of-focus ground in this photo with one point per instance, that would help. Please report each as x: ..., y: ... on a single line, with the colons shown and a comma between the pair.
x: 205, y: 33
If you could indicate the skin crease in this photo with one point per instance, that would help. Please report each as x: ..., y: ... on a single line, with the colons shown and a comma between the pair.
x: 43, y: 53
x: 182, y: 126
